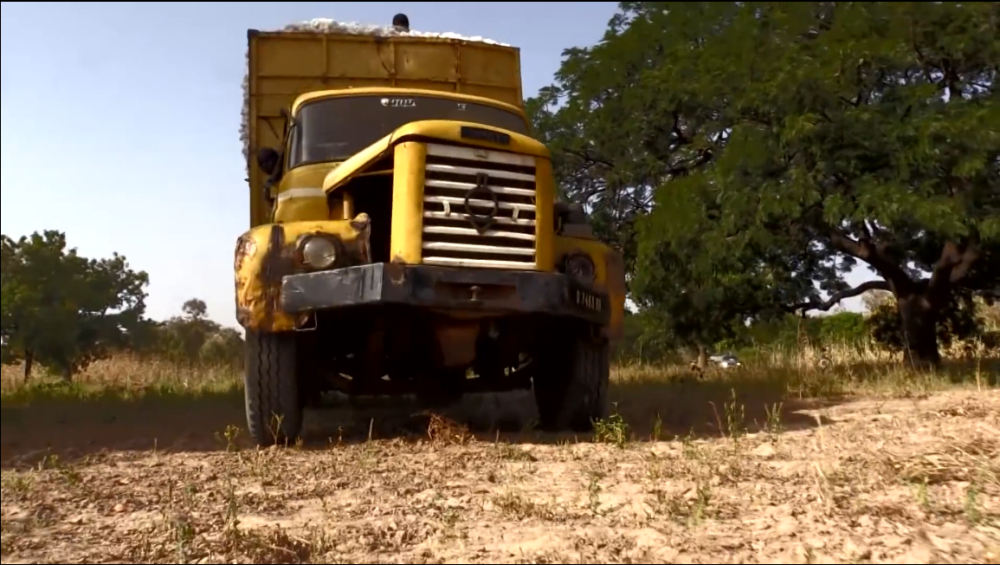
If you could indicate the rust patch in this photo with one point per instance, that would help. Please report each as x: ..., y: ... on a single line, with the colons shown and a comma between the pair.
x: 277, y: 262
x: 363, y: 240
x: 243, y: 316
x: 361, y: 222
x: 615, y: 273
x: 395, y: 272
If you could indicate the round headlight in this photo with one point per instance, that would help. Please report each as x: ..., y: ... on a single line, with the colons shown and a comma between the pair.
x: 581, y: 268
x: 319, y: 253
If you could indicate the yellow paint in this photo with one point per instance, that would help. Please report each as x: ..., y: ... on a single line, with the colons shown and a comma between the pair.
x: 404, y: 92
x: 406, y: 241
x: 544, y: 216
x: 290, y: 69
x: 357, y: 164
x: 442, y: 130
x: 267, y: 253
x: 609, y: 273
x: 299, y: 209
x: 283, y: 65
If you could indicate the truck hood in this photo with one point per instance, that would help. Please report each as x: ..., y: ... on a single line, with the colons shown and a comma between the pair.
x: 437, y: 129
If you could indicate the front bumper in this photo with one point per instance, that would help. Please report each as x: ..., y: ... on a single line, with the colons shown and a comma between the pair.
x: 466, y: 290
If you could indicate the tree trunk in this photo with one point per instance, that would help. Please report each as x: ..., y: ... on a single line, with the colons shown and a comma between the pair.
x: 702, y: 356
x: 29, y: 362
x: 919, y: 324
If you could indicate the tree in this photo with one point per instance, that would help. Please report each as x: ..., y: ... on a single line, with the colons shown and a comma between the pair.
x: 698, y: 299
x: 63, y: 310
x: 814, y: 136
x: 193, y: 337
x: 195, y: 309
x: 958, y: 320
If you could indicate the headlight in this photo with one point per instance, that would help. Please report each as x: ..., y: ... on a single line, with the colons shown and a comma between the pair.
x: 319, y: 253
x: 581, y: 268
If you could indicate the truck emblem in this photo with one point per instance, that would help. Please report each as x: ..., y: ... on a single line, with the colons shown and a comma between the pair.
x: 481, y: 153
x: 481, y: 191
x: 399, y: 102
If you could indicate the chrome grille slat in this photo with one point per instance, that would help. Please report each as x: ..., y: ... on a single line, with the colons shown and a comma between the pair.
x: 485, y: 263
x: 472, y: 171
x: 465, y: 186
x: 478, y: 202
x: 450, y: 236
x: 460, y: 217
x: 473, y: 232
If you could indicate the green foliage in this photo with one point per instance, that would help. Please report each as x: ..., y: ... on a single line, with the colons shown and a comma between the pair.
x: 746, y: 156
x: 842, y: 327
x: 63, y: 310
x: 193, y: 338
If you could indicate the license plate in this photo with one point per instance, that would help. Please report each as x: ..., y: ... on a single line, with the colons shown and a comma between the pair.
x: 587, y: 300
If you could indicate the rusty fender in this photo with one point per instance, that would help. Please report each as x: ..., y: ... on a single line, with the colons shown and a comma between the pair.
x: 266, y: 254
x: 609, y: 277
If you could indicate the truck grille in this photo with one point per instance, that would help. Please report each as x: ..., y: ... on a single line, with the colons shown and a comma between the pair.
x: 456, y: 175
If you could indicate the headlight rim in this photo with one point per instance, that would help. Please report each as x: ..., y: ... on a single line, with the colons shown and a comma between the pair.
x: 589, y: 277
x: 335, y: 246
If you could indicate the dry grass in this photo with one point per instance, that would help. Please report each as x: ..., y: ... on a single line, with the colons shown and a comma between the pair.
x: 776, y: 462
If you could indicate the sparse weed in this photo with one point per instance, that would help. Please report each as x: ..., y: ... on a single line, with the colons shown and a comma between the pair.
x: 594, y: 492
x: 613, y: 430
x: 923, y: 495
x: 972, y: 506
x: 228, y: 438
x: 510, y: 452
x: 773, y: 425
x: 519, y: 507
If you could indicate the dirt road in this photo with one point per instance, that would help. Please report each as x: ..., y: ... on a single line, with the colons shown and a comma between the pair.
x: 899, y: 481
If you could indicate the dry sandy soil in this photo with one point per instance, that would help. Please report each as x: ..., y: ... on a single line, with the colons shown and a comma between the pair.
x: 867, y: 481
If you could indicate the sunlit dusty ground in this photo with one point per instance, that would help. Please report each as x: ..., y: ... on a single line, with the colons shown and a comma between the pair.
x: 904, y: 481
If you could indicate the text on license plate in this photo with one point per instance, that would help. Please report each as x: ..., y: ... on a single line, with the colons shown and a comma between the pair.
x: 588, y: 300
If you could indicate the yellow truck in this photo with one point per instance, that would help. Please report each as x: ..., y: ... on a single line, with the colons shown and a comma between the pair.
x: 405, y: 235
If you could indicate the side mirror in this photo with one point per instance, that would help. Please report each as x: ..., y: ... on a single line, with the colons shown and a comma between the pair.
x: 268, y: 160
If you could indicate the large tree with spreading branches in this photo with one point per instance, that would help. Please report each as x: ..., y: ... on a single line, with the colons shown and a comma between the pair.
x: 798, y: 141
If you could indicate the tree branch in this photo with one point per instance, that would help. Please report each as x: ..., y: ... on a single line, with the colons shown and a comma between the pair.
x: 875, y: 255
x: 839, y: 296
x: 955, y: 262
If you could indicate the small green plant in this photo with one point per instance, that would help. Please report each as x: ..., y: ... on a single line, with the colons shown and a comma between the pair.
x: 232, y: 510
x: 657, y: 428
x: 973, y: 513
x: 735, y: 418
x: 691, y: 450
x: 228, y: 438
x: 594, y: 491
x: 923, y: 496
x: 773, y: 426
x: 613, y: 430
x: 701, y: 504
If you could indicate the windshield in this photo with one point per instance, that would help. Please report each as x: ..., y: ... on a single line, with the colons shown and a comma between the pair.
x: 336, y: 128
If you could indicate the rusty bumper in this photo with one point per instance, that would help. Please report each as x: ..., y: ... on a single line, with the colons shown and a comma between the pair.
x: 466, y: 290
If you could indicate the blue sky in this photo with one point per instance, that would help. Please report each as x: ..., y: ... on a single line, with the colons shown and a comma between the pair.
x: 120, y: 121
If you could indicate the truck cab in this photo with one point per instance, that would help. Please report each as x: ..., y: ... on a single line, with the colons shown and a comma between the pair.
x: 408, y: 240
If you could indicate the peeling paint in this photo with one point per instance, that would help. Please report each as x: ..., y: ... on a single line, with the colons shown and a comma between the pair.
x: 266, y: 254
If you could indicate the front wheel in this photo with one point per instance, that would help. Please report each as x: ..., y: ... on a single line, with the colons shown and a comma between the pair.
x: 273, y: 402
x: 570, y: 380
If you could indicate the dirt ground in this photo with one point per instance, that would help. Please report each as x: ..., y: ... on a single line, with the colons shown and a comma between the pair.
x: 867, y: 481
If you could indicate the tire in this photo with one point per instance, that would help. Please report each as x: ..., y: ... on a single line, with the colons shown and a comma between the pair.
x: 273, y: 403
x: 570, y: 381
